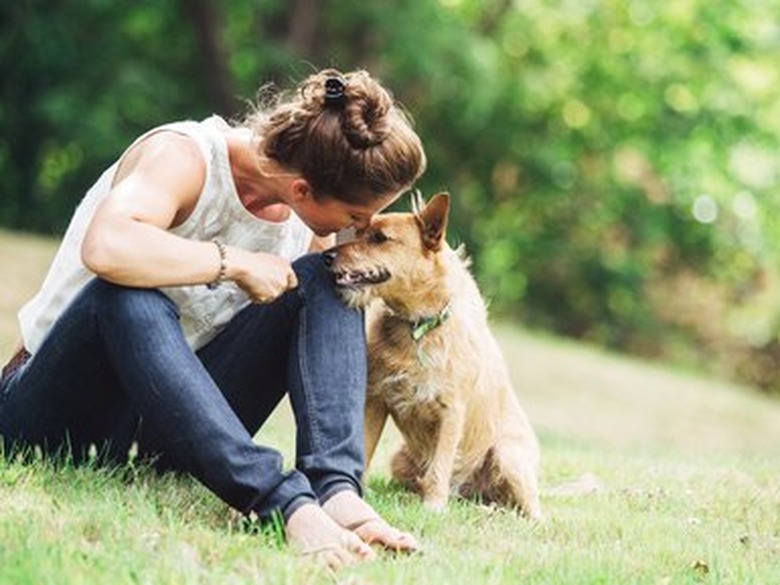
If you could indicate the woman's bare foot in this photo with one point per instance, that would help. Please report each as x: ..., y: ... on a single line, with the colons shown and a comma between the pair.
x: 353, y: 513
x: 314, y: 533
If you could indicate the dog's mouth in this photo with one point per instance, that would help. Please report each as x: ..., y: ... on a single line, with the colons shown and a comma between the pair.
x: 346, y: 278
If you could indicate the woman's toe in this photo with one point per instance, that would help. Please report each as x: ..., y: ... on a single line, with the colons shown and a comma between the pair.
x: 380, y: 532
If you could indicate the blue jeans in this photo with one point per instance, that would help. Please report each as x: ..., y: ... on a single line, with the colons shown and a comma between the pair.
x: 116, y: 368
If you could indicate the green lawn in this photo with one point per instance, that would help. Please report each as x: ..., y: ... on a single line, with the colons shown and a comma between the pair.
x: 684, y: 471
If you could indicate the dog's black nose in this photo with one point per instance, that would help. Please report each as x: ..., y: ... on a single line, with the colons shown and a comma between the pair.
x: 329, y: 256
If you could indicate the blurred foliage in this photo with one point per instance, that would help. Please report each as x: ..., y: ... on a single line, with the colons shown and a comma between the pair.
x: 612, y: 162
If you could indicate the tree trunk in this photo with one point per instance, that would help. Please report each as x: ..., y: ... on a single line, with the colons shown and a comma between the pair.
x: 304, y: 21
x: 207, y: 20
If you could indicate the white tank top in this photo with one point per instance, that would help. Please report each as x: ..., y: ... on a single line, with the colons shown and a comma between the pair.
x: 218, y: 213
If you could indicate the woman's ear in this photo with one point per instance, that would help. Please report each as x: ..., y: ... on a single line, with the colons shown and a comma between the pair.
x: 301, y: 190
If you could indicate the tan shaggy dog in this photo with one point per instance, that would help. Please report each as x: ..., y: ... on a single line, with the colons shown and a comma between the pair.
x: 434, y: 365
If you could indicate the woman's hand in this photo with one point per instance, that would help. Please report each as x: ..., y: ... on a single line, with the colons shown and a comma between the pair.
x: 264, y: 277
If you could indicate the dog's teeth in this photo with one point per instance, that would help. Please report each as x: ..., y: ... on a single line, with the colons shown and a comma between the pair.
x: 356, y: 278
x: 343, y: 278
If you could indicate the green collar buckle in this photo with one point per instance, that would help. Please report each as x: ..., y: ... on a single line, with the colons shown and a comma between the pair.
x: 426, y: 324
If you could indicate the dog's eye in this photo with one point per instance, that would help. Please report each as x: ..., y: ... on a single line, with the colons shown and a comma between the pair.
x: 377, y: 237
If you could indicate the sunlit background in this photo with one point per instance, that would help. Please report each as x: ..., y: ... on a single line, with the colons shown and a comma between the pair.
x: 613, y: 163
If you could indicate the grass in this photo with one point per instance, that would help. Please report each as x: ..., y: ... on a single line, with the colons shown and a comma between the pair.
x: 684, y: 469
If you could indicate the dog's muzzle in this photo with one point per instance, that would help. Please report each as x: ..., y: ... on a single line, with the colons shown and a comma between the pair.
x: 356, y: 278
x: 353, y: 278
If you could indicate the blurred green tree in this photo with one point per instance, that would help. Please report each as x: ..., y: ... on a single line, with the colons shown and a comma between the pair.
x: 612, y: 162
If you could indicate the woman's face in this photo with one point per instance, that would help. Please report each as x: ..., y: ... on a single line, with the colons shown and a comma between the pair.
x: 328, y: 215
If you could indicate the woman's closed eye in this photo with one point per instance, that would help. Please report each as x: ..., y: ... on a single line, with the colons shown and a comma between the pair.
x: 360, y: 222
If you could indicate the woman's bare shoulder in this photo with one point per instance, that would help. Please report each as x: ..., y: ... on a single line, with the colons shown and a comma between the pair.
x: 166, y: 151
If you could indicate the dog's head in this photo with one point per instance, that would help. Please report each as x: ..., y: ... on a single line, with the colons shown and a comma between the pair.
x: 397, y: 258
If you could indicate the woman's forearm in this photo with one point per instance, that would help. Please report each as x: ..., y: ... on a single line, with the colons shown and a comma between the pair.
x: 133, y: 253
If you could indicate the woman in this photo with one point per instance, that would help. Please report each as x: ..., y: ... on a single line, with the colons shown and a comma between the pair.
x: 182, y: 306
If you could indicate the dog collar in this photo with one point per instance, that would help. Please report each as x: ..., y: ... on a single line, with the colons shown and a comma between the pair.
x: 426, y: 324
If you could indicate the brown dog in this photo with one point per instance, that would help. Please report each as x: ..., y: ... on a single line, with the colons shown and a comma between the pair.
x: 434, y: 365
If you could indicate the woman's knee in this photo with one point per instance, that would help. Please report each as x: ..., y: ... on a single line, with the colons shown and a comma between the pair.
x: 112, y: 303
x: 317, y: 287
x: 312, y: 270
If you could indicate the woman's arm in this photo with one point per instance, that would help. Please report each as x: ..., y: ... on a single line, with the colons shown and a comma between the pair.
x: 157, y: 187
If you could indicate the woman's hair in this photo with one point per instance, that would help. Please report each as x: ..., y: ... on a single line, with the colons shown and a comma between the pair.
x: 344, y: 134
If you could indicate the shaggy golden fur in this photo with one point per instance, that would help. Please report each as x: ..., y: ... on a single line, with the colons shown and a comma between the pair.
x: 448, y: 391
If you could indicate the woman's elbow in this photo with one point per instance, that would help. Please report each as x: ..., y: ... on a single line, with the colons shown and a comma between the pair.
x: 98, y: 256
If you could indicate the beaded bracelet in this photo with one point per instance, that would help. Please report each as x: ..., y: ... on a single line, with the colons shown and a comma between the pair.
x: 222, y: 264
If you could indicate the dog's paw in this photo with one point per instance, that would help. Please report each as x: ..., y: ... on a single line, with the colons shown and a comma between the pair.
x: 436, y: 505
x: 533, y: 512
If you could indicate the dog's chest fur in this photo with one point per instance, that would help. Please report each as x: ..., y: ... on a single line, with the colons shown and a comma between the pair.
x: 413, y: 378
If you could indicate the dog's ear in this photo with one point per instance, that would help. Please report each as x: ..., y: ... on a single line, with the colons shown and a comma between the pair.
x: 433, y: 221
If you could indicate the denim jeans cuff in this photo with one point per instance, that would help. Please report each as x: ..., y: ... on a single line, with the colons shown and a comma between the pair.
x: 288, y: 496
x: 336, y: 488
x: 295, y: 503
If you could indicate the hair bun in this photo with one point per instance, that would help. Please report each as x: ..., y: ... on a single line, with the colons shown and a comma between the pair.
x: 344, y: 134
x: 366, y: 109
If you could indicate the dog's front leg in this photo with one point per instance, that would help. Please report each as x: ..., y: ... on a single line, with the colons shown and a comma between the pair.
x: 376, y: 417
x: 435, y: 484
